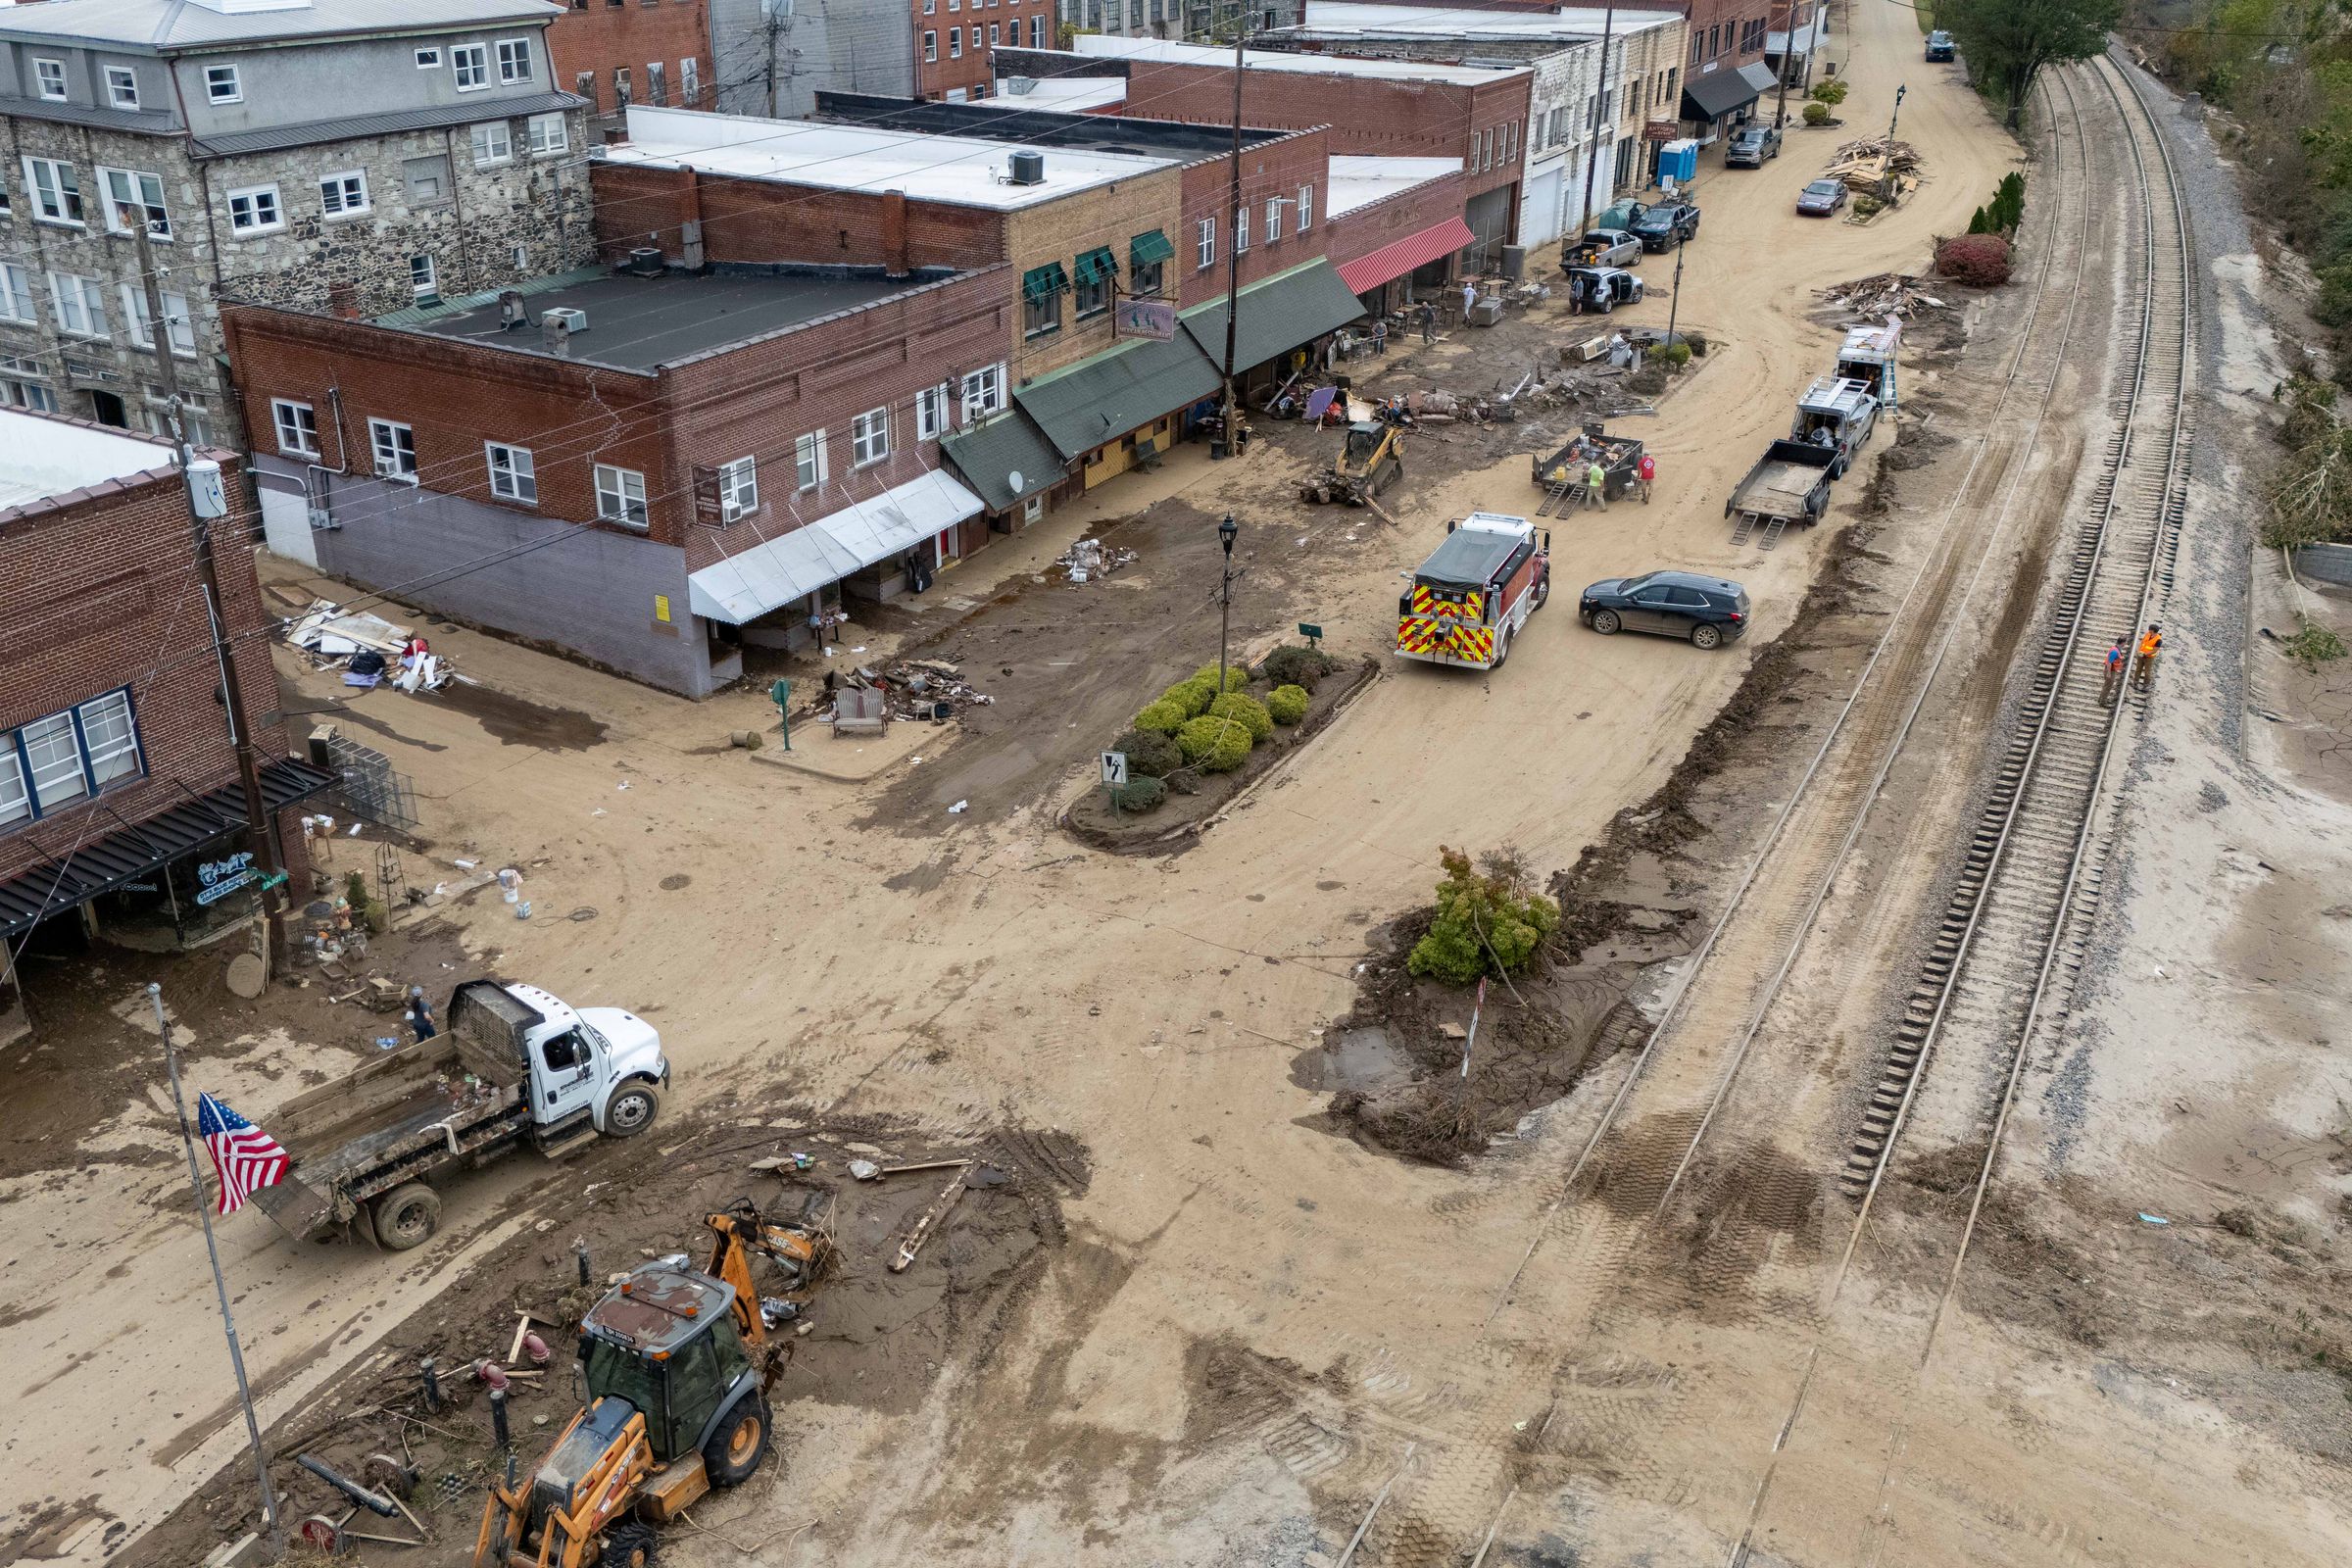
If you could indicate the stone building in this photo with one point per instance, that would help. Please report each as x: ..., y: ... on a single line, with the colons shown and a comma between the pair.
x: 321, y: 154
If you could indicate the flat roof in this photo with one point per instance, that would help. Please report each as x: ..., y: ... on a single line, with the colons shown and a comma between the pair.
x: 1443, y: 21
x: 1042, y: 125
x: 43, y: 458
x: 640, y: 324
x: 1360, y: 182
x: 957, y: 171
x: 164, y: 26
x: 1101, y: 46
x: 1065, y: 93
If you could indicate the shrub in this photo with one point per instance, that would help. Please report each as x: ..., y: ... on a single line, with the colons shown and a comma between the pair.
x: 1287, y: 705
x: 1295, y: 665
x: 1979, y: 259
x: 1247, y: 711
x: 1817, y: 114
x: 1139, y: 793
x: 1162, y: 717
x: 1833, y: 91
x: 2315, y: 644
x: 1674, y: 356
x: 2008, y: 207
x: 1980, y: 222
x: 1216, y: 744
x: 1698, y: 342
x: 1237, y: 676
x: 1149, y: 752
x: 1868, y: 206
x: 1190, y: 695
x: 1489, y: 921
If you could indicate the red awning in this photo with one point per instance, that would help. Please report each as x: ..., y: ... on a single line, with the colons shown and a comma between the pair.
x: 1401, y: 256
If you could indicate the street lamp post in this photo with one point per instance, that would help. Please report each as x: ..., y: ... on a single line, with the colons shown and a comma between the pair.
x: 1887, y: 176
x: 1674, y: 302
x: 1226, y: 533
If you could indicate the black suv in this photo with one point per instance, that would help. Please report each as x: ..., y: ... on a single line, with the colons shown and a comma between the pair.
x: 1708, y: 611
x: 1666, y: 223
x: 1939, y: 46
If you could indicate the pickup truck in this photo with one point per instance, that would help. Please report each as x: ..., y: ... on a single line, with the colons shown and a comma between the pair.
x: 1790, y: 484
x: 1566, y: 468
x: 1838, y: 413
x: 1666, y: 226
x: 515, y: 1065
x: 1602, y: 247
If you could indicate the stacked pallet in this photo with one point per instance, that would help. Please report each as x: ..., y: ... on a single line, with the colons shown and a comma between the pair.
x: 1881, y: 295
x: 1861, y: 165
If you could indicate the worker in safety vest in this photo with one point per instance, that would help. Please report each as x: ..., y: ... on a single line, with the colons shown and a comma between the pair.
x: 2143, y: 667
x: 2118, y: 660
x: 1597, y: 486
x: 1646, y: 474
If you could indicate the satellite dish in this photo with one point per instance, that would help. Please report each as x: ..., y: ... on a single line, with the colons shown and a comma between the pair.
x: 1013, y: 482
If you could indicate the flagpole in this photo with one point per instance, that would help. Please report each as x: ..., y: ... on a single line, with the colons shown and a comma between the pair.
x: 236, y: 1358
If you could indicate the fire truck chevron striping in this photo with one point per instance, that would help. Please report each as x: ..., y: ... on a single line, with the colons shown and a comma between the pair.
x: 1475, y: 592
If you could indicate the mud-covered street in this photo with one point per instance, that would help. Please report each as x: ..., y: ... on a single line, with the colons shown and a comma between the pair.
x: 1253, y: 1266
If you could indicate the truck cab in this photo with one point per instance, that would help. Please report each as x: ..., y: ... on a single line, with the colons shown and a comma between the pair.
x: 1837, y: 413
x: 581, y: 1062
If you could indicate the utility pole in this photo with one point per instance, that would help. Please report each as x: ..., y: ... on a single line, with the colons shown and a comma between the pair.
x: 1232, y: 252
x: 1600, y: 103
x: 1887, y: 169
x: 1780, y: 110
x: 272, y: 1530
x: 1674, y: 302
x: 232, y: 696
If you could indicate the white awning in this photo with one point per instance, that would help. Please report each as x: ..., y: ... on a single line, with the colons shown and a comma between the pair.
x: 752, y: 583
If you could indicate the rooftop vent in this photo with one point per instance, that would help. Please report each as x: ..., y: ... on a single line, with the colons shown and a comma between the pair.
x: 573, y: 319
x: 510, y: 310
x: 1027, y: 168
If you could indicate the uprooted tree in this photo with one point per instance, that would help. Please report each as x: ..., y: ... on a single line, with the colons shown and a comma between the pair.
x: 1488, y: 919
x: 2007, y: 42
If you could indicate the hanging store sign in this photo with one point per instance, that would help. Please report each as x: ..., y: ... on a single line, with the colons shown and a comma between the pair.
x: 1148, y: 319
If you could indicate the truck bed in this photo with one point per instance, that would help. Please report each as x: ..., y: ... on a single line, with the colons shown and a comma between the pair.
x: 1784, y: 482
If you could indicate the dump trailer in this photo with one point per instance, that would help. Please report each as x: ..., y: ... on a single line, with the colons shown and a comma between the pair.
x: 514, y: 1066
x: 1838, y: 413
x: 1868, y: 356
x: 1475, y: 592
x: 1562, y: 476
x: 1789, y: 484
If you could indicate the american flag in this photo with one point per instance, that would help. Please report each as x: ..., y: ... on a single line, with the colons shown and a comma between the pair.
x: 244, y: 1156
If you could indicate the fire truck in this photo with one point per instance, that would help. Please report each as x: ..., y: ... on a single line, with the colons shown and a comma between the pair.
x: 1475, y: 592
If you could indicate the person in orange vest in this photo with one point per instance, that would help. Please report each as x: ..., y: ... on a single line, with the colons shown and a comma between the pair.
x: 2143, y: 668
x: 2117, y: 661
x: 1646, y: 474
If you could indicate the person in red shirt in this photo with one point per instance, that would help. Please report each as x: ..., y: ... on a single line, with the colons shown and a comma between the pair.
x: 1645, y: 476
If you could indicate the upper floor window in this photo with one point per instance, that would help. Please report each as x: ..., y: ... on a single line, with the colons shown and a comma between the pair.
x: 56, y: 190
x: 931, y: 412
x: 254, y: 209
x: 546, y: 135
x: 424, y: 279
x: 983, y: 392
x: 1306, y: 208
x: 620, y: 496
x: 16, y: 293
x: 809, y: 463
x: 178, y: 326
x: 133, y: 196
x: 428, y: 60
x: 513, y: 59
x: 56, y: 760
x: 297, y: 426
x: 511, y: 475
x: 471, y: 63
x: 930, y: 45
x: 492, y: 143
x: 870, y: 436
x: 49, y: 76
x: 122, y: 88
x: 1208, y: 243
x: 394, y: 446
x: 80, y: 303
x: 739, y: 481
x: 223, y: 84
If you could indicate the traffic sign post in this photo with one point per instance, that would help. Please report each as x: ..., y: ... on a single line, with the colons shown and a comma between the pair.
x: 780, y: 694
x: 1114, y: 774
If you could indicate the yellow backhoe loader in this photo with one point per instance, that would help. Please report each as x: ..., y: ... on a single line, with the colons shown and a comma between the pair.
x: 678, y: 1370
x: 1371, y: 459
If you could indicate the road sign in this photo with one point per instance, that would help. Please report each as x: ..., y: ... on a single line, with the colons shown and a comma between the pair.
x: 1114, y: 768
x: 1312, y: 632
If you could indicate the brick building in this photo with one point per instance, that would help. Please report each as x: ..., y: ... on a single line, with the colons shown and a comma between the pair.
x: 1396, y: 227
x: 313, y: 147
x: 121, y: 812
x: 614, y: 53
x: 956, y: 38
x: 1373, y: 107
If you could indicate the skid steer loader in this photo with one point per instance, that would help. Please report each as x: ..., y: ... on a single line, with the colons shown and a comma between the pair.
x: 1371, y: 459
x: 678, y: 1370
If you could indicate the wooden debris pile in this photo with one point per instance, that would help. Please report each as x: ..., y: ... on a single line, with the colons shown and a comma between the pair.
x: 1862, y: 165
x: 1881, y: 295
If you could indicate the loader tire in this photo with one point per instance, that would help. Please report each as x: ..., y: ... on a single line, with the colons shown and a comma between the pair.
x: 406, y: 1216
x: 630, y: 1546
x: 736, y: 1448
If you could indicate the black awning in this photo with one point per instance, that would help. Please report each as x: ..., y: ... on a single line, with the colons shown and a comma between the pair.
x: 1719, y: 92
x: 105, y: 861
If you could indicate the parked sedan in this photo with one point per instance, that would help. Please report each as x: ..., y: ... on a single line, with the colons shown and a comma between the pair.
x: 1939, y: 46
x: 1707, y: 611
x: 1750, y: 145
x: 1821, y: 198
x: 1666, y: 226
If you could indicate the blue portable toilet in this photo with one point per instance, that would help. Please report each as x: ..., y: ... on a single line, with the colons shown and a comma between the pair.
x: 1677, y: 161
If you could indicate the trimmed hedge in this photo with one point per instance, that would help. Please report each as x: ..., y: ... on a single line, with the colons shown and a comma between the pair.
x: 1287, y: 705
x: 1150, y: 753
x: 1817, y: 114
x: 1162, y: 717
x: 1237, y: 676
x: 1216, y: 744
x: 1294, y: 664
x: 1140, y: 793
x: 1247, y: 711
x: 1192, y: 696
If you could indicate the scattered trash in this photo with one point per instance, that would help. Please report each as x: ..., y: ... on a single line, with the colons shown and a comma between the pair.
x: 624, y: 784
x: 1090, y: 558
x: 2154, y: 1219
x: 865, y: 1170
x: 958, y: 807
x: 387, y: 1043
x: 1881, y: 295
x: 369, y: 648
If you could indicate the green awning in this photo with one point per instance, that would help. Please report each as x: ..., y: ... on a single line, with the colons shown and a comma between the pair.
x: 1100, y: 399
x: 1149, y: 250
x: 990, y: 455
x: 1041, y: 283
x: 1097, y: 266
x: 1275, y: 316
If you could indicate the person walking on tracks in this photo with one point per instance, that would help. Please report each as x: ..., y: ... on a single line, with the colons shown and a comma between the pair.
x: 1645, y: 474
x: 2143, y: 667
x: 1597, y: 486
x: 2118, y: 660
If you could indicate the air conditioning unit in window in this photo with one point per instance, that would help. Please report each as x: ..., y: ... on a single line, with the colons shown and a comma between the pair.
x: 576, y: 320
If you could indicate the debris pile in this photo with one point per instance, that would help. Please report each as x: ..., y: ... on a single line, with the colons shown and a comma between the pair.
x: 369, y: 649
x: 1862, y: 165
x: 1090, y: 558
x: 1882, y: 294
x: 930, y: 689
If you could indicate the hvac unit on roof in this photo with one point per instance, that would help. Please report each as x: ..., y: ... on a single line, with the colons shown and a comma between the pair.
x: 1026, y: 168
x: 571, y: 317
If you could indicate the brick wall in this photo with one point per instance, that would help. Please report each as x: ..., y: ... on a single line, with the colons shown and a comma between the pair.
x: 597, y: 37
x: 1367, y: 228
x: 1281, y: 169
x: 972, y: 73
x: 1063, y: 230
x: 1729, y: 32
x: 102, y: 593
x: 766, y: 220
